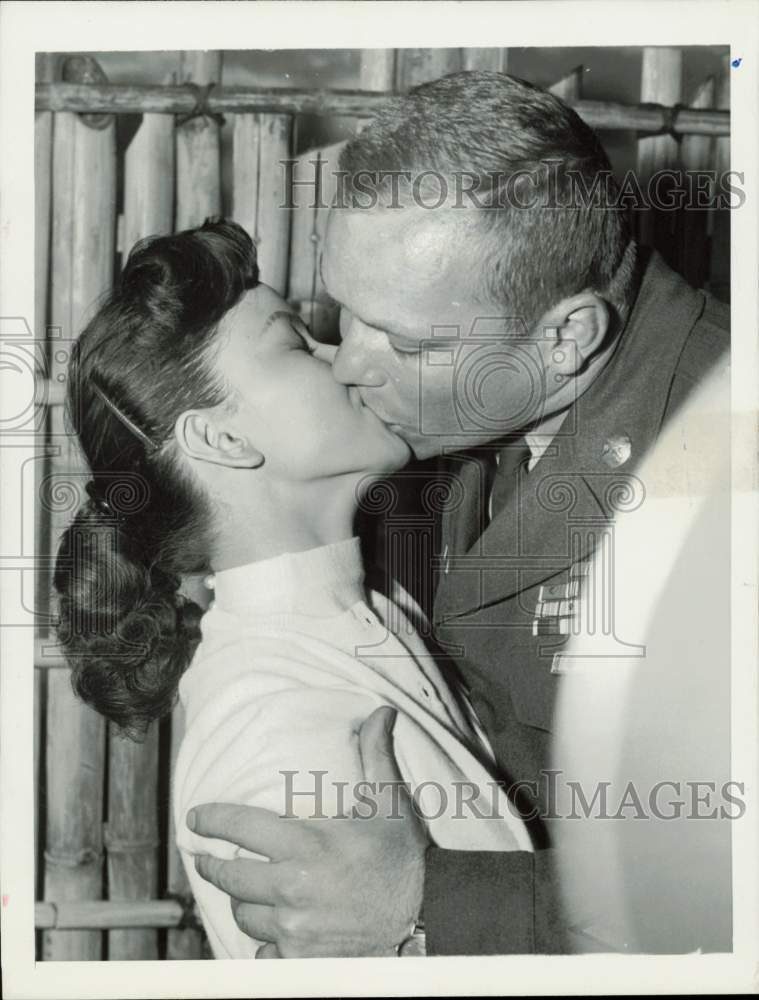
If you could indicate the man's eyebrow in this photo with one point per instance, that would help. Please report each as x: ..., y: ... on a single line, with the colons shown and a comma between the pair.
x: 395, y: 331
x: 388, y: 328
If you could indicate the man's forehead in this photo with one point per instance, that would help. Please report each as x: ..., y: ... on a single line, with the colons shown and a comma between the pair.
x: 407, y: 244
x: 405, y: 277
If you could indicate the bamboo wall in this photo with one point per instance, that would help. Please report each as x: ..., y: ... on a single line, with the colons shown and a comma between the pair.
x: 110, y: 881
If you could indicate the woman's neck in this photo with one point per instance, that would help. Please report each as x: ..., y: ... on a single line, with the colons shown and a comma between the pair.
x: 291, y: 517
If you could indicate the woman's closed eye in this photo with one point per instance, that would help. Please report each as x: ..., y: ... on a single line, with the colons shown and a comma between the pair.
x: 322, y: 352
x: 298, y: 340
x: 404, y: 346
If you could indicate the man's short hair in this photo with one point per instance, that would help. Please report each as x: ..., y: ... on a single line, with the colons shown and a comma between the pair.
x: 510, y: 144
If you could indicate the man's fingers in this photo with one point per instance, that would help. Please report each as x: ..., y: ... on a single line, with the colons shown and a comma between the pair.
x: 243, y: 878
x: 268, y: 951
x: 375, y: 741
x: 258, y: 830
x: 256, y: 921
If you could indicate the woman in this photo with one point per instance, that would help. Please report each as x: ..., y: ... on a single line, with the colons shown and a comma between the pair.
x: 200, y: 389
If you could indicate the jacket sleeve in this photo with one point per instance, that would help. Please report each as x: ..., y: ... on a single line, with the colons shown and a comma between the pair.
x: 492, y: 903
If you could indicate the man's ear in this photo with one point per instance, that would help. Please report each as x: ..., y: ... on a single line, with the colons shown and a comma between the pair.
x: 573, y: 331
x: 201, y: 436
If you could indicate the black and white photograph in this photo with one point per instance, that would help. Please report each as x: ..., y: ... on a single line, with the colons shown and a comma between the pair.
x: 379, y: 525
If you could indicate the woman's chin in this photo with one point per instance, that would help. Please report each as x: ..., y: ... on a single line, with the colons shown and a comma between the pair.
x: 401, y: 454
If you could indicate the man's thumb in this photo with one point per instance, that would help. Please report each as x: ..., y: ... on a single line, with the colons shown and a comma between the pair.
x: 375, y: 741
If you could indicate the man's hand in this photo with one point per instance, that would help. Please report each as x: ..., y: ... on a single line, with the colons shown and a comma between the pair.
x: 332, y: 887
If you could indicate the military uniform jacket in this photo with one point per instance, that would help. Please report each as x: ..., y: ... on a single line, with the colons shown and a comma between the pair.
x: 505, y: 594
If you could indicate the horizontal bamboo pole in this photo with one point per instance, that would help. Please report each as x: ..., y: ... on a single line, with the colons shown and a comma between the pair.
x: 136, y: 99
x: 107, y: 915
x: 688, y: 121
x: 139, y: 98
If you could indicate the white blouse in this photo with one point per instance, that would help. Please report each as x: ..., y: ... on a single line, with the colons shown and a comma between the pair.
x: 295, y: 655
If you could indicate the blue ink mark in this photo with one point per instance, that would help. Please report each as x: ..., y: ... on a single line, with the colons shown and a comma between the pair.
x: 736, y: 62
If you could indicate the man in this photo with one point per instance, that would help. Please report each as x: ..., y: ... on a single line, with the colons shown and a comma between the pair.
x: 494, y: 311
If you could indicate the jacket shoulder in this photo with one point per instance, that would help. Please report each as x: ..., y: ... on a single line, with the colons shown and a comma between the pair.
x: 708, y: 341
x: 707, y: 345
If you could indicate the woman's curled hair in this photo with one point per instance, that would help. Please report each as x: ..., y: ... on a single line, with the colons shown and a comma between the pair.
x: 146, y: 356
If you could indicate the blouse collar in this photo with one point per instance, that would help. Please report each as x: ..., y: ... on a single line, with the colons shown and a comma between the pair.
x: 323, y: 581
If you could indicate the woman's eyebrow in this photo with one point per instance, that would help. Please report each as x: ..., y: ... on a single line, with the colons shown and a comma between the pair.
x: 277, y: 314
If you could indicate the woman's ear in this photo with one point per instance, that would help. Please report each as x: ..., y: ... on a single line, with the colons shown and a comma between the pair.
x: 200, y: 436
x: 573, y: 331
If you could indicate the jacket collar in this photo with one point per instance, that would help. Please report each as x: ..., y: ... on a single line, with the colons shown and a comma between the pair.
x: 557, y: 510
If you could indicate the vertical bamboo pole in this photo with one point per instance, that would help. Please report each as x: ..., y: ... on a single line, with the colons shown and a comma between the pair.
x: 261, y: 142
x: 198, y: 148
x: 37, y: 723
x: 569, y: 87
x: 417, y: 66
x: 131, y: 835
x: 719, y: 220
x: 43, y: 147
x: 317, y: 169
x: 314, y: 190
x: 198, y: 195
x: 377, y: 69
x: 492, y: 59
x: 697, y: 153
x: 149, y: 180
x: 84, y: 194
x: 661, y: 83
x: 722, y: 151
x: 43, y: 152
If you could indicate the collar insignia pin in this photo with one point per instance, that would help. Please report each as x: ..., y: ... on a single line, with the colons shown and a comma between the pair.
x: 616, y: 450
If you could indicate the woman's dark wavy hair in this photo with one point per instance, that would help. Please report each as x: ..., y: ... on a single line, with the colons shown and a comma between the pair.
x: 145, y: 357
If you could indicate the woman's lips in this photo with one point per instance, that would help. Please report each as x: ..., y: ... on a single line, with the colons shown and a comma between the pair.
x: 357, y: 400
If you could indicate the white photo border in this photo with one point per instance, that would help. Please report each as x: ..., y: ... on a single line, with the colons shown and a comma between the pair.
x: 29, y: 27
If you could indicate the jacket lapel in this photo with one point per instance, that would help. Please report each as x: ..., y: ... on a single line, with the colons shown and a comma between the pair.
x: 541, y: 530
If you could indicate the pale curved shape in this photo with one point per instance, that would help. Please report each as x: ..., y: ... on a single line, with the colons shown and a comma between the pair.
x: 649, y: 702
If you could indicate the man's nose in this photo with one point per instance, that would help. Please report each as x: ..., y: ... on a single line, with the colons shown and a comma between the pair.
x: 358, y: 359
